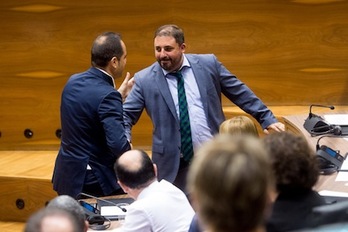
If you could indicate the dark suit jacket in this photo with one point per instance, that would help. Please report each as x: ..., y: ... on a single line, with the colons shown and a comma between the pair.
x: 92, y: 133
x: 293, y: 211
x: 151, y: 92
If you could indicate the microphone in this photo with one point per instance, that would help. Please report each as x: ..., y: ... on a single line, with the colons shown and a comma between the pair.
x: 313, y: 122
x: 310, y: 109
x: 103, y: 200
x: 330, y: 129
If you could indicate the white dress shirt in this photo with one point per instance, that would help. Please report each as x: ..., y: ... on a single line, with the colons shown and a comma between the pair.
x: 200, y: 130
x: 159, y: 207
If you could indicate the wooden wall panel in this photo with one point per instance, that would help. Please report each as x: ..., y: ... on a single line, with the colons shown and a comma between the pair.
x: 290, y: 52
x: 21, y: 197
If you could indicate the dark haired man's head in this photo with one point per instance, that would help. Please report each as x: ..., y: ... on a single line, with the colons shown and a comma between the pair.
x: 109, y: 53
x: 169, y: 43
x: 105, y: 47
x: 172, y: 31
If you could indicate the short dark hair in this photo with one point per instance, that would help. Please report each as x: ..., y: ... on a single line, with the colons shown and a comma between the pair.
x: 136, y: 178
x: 105, y: 47
x: 294, y: 163
x: 171, y: 30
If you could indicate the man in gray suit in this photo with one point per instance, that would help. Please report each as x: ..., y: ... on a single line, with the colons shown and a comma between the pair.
x: 205, y: 78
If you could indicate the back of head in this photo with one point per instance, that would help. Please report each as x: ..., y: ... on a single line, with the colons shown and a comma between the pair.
x: 105, y: 47
x: 294, y: 163
x: 239, y: 125
x: 135, y: 169
x: 230, y: 180
x: 69, y: 204
x: 52, y: 220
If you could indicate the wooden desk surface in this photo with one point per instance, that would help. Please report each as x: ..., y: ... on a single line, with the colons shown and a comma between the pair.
x: 295, y: 124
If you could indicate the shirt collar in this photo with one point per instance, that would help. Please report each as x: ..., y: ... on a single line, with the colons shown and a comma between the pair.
x: 148, y: 190
x: 185, y: 63
x: 113, y: 80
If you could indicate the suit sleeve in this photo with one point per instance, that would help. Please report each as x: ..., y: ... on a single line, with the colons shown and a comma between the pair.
x: 133, y: 107
x: 111, y: 116
x: 241, y: 95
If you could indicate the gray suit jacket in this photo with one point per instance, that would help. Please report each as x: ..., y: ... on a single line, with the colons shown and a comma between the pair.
x: 151, y: 92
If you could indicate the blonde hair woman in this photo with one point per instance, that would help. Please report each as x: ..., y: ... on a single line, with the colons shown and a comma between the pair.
x: 239, y: 125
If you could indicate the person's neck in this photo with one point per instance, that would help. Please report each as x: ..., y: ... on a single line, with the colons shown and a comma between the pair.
x: 134, y: 193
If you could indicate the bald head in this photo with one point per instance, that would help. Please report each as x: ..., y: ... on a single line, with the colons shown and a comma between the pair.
x: 131, y: 160
x: 135, y: 169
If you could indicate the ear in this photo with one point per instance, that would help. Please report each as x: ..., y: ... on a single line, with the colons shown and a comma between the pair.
x: 155, y: 169
x: 124, y: 187
x: 114, y: 62
x: 86, y: 226
x: 183, y: 47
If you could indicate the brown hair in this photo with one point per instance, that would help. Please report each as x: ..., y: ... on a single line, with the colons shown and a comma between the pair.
x: 294, y: 163
x: 230, y: 179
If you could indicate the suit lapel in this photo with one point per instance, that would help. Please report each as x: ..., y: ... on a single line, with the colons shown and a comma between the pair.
x: 162, y: 84
x: 202, y: 81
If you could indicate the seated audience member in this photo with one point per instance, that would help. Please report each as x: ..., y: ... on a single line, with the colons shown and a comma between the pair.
x: 235, y: 126
x: 296, y: 171
x: 158, y: 205
x: 69, y: 204
x: 52, y: 220
x: 195, y: 225
x: 238, y: 125
x: 335, y: 227
x: 230, y: 181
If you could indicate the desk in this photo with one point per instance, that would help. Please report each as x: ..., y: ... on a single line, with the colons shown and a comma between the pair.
x: 115, y: 223
x: 295, y: 124
x: 113, y: 227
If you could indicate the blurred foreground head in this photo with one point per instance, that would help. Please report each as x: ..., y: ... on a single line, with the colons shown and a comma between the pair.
x: 230, y: 179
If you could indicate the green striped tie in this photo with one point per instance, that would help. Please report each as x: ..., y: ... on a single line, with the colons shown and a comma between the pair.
x: 185, y: 128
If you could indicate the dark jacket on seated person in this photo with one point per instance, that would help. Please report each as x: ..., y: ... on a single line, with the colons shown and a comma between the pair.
x: 332, y: 217
x: 293, y: 210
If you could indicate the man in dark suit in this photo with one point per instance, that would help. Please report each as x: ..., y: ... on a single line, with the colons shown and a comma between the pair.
x: 205, y: 78
x: 93, y: 133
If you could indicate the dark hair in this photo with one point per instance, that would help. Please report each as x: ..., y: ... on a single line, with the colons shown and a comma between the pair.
x: 294, y: 163
x: 171, y: 30
x: 136, y: 178
x: 105, y: 47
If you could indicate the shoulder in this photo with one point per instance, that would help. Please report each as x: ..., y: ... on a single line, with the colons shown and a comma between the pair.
x: 201, y: 57
x: 154, y: 68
